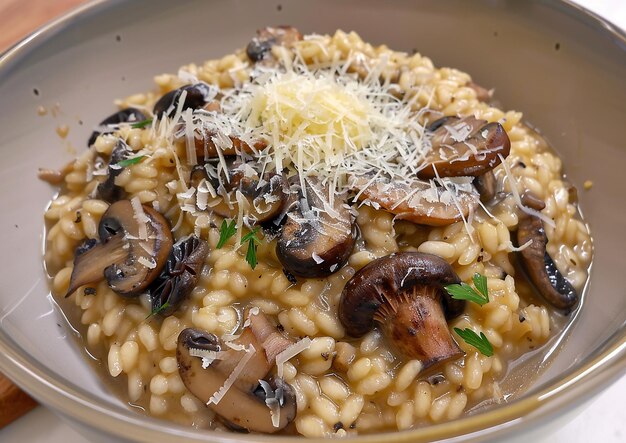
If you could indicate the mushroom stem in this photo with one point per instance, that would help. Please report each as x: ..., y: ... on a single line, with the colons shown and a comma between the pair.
x: 419, y: 330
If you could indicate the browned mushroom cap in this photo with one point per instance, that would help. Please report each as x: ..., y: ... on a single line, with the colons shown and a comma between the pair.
x: 265, y: 198
x: 464, y: 147
x: 404, y: 293
x: 540, y: 267
x: 408, y: 204
x: 127, y: 115
x: 247, y: 402
x: 317, y: 237
x: 196, y: 96
x: 131, y: 253
x: 486, y: 185
x: 260, y: 46
x: 108, y: 190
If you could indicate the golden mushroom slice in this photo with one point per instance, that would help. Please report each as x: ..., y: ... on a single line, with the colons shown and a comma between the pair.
x: 419, y: 202
x: 235, y: 383
x: 135, y: 241
x: 464, y: 147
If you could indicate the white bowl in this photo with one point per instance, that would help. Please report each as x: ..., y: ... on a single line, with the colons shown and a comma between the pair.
x: 561, y: 65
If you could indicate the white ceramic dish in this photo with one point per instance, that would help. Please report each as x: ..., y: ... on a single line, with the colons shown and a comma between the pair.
x: 576, y: 95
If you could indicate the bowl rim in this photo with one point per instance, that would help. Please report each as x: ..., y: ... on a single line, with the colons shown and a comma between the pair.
x: 76, y: 404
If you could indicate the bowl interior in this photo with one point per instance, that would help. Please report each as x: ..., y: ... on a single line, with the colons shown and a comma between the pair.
x: 548, y: 60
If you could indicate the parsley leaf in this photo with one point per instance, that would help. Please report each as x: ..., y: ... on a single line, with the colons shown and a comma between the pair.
x: 130, y: 161
x: 141, y: 124
x: 158, y: 310
x: 464, y: 291
x: 479, y: 342
x: 227, y: 230
x: 253, y: 242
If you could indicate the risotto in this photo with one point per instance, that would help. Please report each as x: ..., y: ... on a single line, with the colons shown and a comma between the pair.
x: 315, y: 236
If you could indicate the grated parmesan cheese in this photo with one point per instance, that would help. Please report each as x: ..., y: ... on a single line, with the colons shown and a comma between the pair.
x: 289, y: 353
x: 228, y: 383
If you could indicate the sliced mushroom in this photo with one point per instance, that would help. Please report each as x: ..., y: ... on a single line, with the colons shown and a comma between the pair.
x: 486, y: 185
x: 247, y: 402
x: 260, y: 46
x: 179, y: 276
x: 108, y: 190
x: 404, y: 294
x: 206, y: 148
x: 540, y: 267
x: 264, y: 199
x: 317, y: 237
x: 464, y: 147
x: 197, y: 96
x: 131, y: 253
x: 419, y: 203
x: 127, y: 115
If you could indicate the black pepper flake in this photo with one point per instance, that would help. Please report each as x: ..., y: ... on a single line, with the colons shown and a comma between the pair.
x: 557, y: 46
x: 80, y: 122
x: 522, y: 319
x: 78, y: 217
x: 118, y: 38
x: 338, y: 426
x: 279, y: 7
x: 292, y: 278
x: 280, y: 327
x: 521, y: 164
x: 480, y: 258
x: 36, y: 91
x: 325, y: 355
x: 90, y: 291
x: 16, y: 226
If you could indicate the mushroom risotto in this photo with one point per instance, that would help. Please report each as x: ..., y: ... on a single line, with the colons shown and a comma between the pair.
x: 314, y: 235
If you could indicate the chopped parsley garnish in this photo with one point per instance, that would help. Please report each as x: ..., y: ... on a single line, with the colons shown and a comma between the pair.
x: 464, y: 291
x: 253, y: 242
x: 227, y: 230
x: 141, y: 124
x: 130, y: 161
x: 479, y: 342
x: 158, y: 310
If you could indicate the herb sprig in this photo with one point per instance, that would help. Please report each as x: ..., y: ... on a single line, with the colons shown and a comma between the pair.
x: 158, y: 310
x: 130, y: 161
x: 253, y: 242
x: 479, y: 342
x: 464, y: 291
x: 480, y: 296
x: 227, y: 230
x: 141, y: 124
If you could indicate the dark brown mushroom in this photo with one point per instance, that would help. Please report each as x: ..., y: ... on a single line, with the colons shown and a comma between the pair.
x: 540, y: 267
x: 127, y: 115
x: 131, y: 253
x: 197, y: 96
x: 486, y: 185
x: 206, y: 147
x: 317, y: 237
x: 249, y: 402
x: 464, y: 147
x: 407, y: 204
x: 260, y: 46
x: 108, y: 190
x: 265, y: 198
x: 179, y: 276
x: 404, y: 294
